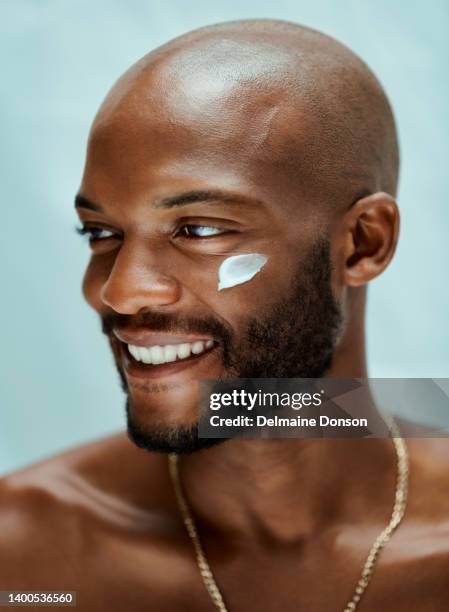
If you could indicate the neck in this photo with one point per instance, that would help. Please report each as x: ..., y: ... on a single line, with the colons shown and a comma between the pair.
x: 289, y: 489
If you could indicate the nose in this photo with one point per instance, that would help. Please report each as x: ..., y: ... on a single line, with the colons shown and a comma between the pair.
x: 135, y: 282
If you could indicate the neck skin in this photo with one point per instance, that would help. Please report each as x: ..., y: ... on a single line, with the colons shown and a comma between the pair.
x: 285, y: 490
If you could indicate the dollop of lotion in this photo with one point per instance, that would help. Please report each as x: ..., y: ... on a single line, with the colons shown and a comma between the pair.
x: 239, y: 269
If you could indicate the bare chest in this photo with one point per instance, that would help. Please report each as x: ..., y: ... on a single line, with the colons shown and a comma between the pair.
x: 132, y: 577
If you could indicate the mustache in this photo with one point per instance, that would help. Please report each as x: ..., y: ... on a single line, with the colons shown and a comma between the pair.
x: 164, y: 322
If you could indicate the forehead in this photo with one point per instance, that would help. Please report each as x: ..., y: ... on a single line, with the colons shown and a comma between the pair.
x: 228, y: 118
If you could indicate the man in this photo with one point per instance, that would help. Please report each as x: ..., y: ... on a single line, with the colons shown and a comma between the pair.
x: 255, y: 138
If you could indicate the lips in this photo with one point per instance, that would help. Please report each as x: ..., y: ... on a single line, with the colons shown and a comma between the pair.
x: 147, y: 338
x: 150, y: 354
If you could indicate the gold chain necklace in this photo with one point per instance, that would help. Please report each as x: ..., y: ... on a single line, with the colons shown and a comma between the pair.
x: 382, y: 539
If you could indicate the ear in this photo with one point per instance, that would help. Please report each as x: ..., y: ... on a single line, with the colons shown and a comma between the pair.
x: 371, y: 229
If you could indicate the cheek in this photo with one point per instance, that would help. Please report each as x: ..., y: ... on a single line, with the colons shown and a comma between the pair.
x: 214, y: 276
x: 239, y: 269
x: 243, y: 287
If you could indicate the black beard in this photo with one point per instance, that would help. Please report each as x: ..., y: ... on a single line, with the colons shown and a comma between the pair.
x: 296, y: 339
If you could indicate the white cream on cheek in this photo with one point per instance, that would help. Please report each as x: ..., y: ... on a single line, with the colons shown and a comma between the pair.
x: 239, y: 269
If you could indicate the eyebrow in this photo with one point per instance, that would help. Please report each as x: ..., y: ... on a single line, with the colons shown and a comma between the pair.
x: 207, y: 196
x: 82, y: 202
x: 190, y: 197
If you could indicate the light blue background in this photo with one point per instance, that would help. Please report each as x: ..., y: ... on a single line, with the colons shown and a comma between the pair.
x: 59, y: 385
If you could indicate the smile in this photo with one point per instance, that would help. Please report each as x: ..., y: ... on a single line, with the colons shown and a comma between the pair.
x: 153, y: 354
x: 157, y: 355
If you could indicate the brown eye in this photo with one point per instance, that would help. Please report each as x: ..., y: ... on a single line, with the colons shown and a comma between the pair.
x: 95, y: 234
x: 200, y: 231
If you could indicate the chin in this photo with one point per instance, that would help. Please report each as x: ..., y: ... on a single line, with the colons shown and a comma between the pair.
x: 168, y: 404
x: 170, y: 435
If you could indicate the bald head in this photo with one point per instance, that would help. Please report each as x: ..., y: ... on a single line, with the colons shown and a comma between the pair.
x: 302, y: 105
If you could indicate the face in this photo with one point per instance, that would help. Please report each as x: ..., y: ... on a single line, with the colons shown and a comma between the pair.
x: 170, y: 192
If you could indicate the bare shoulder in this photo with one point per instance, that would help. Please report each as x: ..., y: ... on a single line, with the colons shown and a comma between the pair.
x: 429, y: 458
x: 418, y: 554
x: 429, y: 477
x: 54, y: 512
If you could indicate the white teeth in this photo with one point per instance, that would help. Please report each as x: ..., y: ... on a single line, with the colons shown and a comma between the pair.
x: 197, y: 347
x: 170, y: 353
x: 184, y: 350
x: 145, y: 355
x: 156, y: 355
x: 135, y: 351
